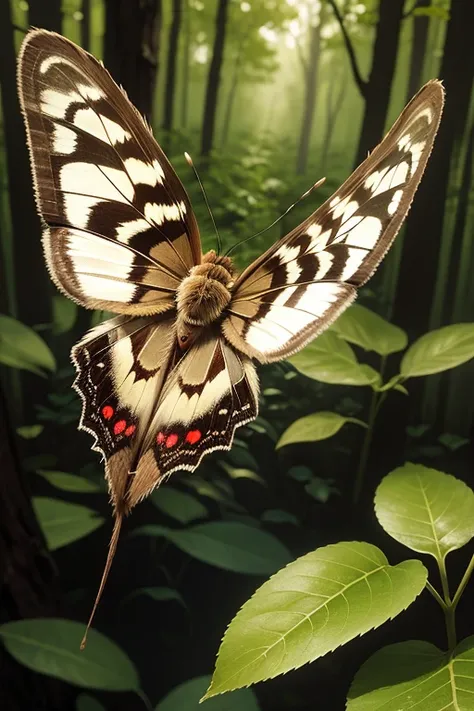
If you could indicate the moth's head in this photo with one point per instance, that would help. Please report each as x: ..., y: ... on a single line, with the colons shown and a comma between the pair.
x: 204, y: 294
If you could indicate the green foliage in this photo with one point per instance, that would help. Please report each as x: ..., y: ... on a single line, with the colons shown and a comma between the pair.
x: 309, y: 608
x: 30, y: 431
x: 185, y: 697
x: 86, y: 702
x: 23, y: 348
x: 63, y: 523
x: 227, y: 545
x: 410, y: 674
x: 51, y: 646
x: 439, y: 350
x: 279, y: 516
x: 160, y: 594
x: 64, y: 314
x: 69, y: 482
x: 317, y: 426
x: 178, y: 504
x: 426, y: 510
x: 370, y: 331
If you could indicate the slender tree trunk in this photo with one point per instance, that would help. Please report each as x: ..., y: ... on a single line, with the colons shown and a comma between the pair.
x: 421, y: 24
x: 311, y: 77
x: 186, y: 65
x: 379, y: 84
x: 232, y: 92
x: 32, y: 283
x: 27, y: 582
x: 171, y: 66
x: 334, y: 104
x: 214, y: 79
x: 86, y: 25
x: 422, y: 242
x: 131, y: 48
x: 45, y: 14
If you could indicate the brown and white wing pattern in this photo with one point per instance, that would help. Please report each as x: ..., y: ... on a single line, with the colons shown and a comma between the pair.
x: 120, y: 233
x: 302, y: 283
x: 120, y: 369
x: 211, y: 391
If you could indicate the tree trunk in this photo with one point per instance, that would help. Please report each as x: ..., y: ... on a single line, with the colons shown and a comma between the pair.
x: 379, y: 84
x: 86, y: 25
x: 214, y: 79
x: 186, y: 65
x: 232, y: 93
x: 27, y: 581
x: 171, y: 66
x: 32, y: 283
x: 422, y: 242
x: 311, y: 77
x: 421, y: 24
x: 333, y: 103
x: 45, y: 14
x: 131, y: 48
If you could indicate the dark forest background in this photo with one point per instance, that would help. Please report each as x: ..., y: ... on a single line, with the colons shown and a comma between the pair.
x: 268, y: 96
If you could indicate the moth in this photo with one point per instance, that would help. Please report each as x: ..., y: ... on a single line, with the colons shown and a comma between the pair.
x: 172, y: 376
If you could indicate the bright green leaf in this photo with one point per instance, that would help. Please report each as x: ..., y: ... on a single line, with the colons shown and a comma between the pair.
x: 314, y: 605
x: 86, y: 702
x: 239, y: 473
x: 64, y: 314
x: 62, y: 522
x: 70, y: 482
x: 439, y: 350
x: 185, y: 697
x: 426, y: 510
x: 30, y: 431
x: 415, y: 675
x: 370, y: 331
x: 51, y: 646
x: 279, y: 516
x: 22, y: 347
x: 178, y: 504
x: 232, y: 546
x: 315, y: 427
x: 329, y: 359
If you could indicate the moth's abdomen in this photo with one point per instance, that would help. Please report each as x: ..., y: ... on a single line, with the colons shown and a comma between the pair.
x: 205, y: 293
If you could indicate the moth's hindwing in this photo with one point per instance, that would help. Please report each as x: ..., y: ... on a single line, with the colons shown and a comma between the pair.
x: 120, y: 232
x: 302, y: 283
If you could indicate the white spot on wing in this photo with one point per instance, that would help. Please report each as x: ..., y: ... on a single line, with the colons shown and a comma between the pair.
x: 141, y: 172
x: 353, y: 262
x: 64, y: 140
x: 365, y: 234
x: 96, y: 181
x: 160, y: 213
x: 129, y: 229
x: 395, y: 202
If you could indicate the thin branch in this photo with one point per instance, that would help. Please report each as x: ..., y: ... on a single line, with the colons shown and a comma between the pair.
x: 416, y: 5
x: 361, y: 83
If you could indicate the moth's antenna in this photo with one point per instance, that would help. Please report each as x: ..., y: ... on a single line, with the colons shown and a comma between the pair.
x: 189, y: 160
x: 110, y: 556
x: 302, y: 197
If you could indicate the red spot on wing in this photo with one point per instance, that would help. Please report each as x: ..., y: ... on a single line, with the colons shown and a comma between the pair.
x: 171, y: 440
x: 193, y: 436
x: 130, y: 430
x: 107, y: 412
x: 119, y: 427
x: 160, y: 438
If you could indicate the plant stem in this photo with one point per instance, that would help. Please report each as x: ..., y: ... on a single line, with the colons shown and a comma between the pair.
x: 436, y: 595
x: 449, y: 611
x: 463, y: 583
x: 364, y: 453
x: 141, y: 694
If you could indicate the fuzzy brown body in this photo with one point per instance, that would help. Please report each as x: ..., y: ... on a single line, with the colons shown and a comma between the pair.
x: 202, y: 296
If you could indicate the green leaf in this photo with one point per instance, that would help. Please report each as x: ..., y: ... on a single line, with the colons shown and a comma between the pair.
x: 439, y: 350
x: 185, y: 697
x: 370, y: 331
x: 86, y: 702
x: 315, y: 427
x: 30, y: 431
x: 452, y: 441
x: 178, y: 504
x: 158, y: 594
x: 207, y: 488
x: 311, y: 607
x: 21, y: 347
x: 51, y: 646
x: 241, y: 458
x: 279, y: 516
x: 415, y: 675
x: 62, y: 522
x: 69, y: 482
x: 232, y: 546
x: 239, y: 473
x: 300, y: 473
x: 64, y: 314
x: 329, y: 359
x: 426, y: 510
x: 319, y: 489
